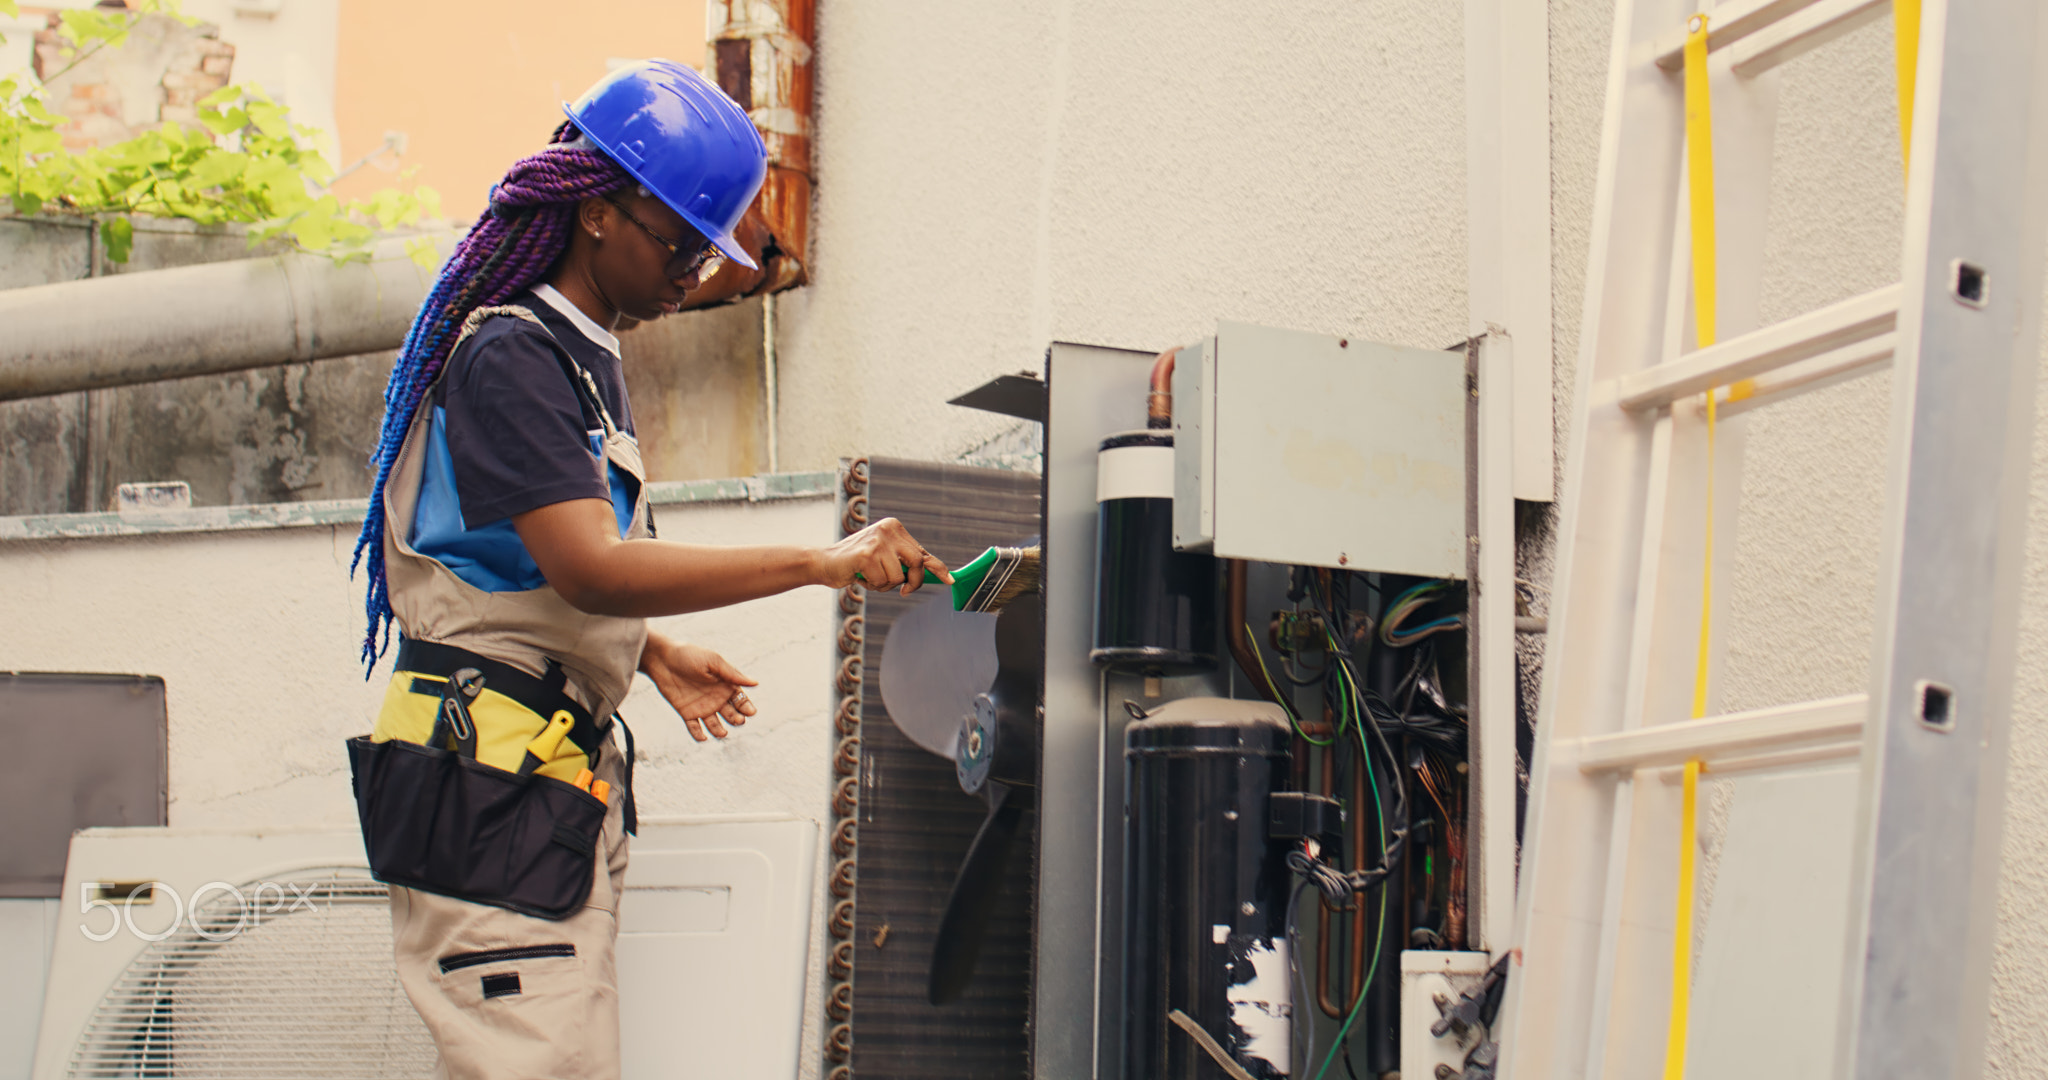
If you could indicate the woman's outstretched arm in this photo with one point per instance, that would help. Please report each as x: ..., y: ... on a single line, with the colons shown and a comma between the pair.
x: 577, y: 547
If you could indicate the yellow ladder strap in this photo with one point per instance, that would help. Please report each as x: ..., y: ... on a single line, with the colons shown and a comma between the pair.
x: 1906, y: 50
x: 1681, y: 930
x: 1699, y: 153
x: 1699, y: 164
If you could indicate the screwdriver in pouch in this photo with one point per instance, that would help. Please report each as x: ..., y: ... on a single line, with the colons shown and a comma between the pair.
x: 542, y: 749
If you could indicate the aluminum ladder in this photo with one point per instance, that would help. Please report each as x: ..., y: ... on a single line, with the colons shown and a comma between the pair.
x: 1597, y: 920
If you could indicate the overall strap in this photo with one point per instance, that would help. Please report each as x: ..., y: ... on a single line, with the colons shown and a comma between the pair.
x: 586, y: 387
x: 632, y: 808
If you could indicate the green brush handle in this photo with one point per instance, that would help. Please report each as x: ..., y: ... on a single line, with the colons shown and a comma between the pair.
x: 929, y: 577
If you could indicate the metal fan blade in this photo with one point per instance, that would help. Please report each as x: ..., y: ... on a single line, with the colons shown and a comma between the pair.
x: 974, y: 895
x: 934, y: 661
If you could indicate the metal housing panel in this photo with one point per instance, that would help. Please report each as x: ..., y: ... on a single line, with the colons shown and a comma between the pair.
x: 1339, y: 453
x: 1093, y: 392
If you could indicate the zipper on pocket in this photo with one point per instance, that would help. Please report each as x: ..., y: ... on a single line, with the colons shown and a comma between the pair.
x: 458, y: 961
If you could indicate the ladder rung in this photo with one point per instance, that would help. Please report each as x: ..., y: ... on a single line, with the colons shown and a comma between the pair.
x: 1858, y: 318
x: 1748, y: 736
x: 1802, y: 33
x: 1727, y: 24
x: 1769, y: 32
x: 1824, y: 370
x: 1817, y: 754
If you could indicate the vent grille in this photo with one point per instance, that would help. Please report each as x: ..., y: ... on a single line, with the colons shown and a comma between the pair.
x: 294, y: 981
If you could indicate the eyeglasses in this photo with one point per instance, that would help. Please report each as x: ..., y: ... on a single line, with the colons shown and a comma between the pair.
x: 702, y: 263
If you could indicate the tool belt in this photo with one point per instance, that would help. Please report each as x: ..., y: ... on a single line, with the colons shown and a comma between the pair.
x: 436, y: 818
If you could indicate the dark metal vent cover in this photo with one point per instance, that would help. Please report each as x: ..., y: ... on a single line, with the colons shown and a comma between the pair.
x: 914, y: 822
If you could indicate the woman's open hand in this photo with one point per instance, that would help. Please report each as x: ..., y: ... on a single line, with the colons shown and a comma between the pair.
x: 705, y: 690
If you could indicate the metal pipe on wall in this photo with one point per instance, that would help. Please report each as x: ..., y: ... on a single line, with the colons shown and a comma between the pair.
x: 760, y: 55
x: 208, y: 319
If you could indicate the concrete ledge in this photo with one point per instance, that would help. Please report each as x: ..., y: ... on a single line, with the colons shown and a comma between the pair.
x: 773, y: 487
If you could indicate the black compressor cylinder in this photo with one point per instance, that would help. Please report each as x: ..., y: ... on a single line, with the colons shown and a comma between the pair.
x: 1205, y: 892
x: 1155, y: 608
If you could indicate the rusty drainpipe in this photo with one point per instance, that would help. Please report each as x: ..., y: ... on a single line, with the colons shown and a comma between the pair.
x: 760, y: 55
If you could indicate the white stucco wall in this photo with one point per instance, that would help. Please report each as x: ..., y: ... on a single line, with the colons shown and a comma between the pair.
x: 995, y: 177
x: 254, y: 634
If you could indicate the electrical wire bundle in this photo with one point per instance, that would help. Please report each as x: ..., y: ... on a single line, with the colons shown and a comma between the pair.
x: 1365, y: 716
x: 1405, y: 605
x: 1423, y: 715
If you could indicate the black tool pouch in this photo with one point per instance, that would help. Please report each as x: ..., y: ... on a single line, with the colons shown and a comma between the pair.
x: 443, y: 822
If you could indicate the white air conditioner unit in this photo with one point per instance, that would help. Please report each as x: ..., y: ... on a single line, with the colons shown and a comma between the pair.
x: 187, y: 953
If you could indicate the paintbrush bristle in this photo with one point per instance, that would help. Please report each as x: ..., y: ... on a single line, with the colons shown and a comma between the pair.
x: 1014, y: 573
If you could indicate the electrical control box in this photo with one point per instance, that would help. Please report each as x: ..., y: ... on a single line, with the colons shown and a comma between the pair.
x: 1301, y: 448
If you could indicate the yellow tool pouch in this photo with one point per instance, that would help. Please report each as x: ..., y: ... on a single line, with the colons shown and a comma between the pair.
x: 504, y: 727
x: 480, y: 803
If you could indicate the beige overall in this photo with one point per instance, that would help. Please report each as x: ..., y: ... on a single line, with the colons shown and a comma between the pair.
x: 510, y: 996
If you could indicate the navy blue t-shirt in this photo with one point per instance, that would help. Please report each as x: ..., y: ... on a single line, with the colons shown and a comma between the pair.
x: 511, y: 433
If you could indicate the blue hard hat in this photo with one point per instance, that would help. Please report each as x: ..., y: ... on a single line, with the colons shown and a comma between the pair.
x: 683, y: 139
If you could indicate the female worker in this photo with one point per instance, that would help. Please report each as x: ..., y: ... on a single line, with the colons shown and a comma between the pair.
x: 513, y: 548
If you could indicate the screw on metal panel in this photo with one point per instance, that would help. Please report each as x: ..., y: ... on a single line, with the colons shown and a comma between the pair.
x: 1230, y: 815
x: 1249, y: 908
x: 1343, y: 559
x: 1343, y: 343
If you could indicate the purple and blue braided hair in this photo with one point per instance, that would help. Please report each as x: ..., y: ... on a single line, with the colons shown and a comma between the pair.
x: 511, y: 248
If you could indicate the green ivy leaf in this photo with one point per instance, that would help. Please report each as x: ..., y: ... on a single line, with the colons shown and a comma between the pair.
x: 118, y: 235
x: 224, y: 122
x: 316, y: 227
x: 217, y: 168
x: 96, y: 26
x: 9, y: 8
x: 269, y: 118
x: 221, y: 97
x: 421, y: 252
x: 45, y: 141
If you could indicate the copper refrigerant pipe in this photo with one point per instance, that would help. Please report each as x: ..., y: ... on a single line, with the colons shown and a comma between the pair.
x: 1339, y: 1009
x: 1159, y: 402
x: 1240, y: 643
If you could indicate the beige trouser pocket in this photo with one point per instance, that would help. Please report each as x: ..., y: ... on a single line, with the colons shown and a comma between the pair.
x: 508, y: 996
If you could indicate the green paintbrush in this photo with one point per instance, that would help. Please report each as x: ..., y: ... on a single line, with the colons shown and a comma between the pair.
x: 995, y: 577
